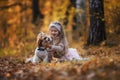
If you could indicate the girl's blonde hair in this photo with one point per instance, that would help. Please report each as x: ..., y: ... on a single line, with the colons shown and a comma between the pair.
x: 62, y: 36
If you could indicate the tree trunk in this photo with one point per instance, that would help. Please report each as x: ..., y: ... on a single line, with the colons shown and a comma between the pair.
x: 97, y: 32
x: 36, y: 12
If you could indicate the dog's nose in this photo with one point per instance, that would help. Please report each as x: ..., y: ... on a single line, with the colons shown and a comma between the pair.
x: 48, y: 39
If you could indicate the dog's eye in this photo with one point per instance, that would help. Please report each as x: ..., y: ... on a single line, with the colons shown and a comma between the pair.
x: 45, y: 38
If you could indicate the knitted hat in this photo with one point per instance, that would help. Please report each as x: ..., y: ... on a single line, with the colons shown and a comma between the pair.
x: 56, y: 25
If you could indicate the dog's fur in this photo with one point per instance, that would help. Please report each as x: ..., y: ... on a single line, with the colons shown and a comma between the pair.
x: 41, y: 54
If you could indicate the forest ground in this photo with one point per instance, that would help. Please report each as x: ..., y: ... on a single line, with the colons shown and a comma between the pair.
x: 104, y: 64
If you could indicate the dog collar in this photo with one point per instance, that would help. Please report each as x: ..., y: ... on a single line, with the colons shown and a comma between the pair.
x: 41, y: 49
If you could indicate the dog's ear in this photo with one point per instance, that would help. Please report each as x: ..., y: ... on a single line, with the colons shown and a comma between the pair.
x: 39, y: 43
x: 38, y: 37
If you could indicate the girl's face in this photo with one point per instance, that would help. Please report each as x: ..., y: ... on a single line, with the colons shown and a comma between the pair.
x: 54, y: 32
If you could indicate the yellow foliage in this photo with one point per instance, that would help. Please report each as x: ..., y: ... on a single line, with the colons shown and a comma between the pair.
x: 16, y: 26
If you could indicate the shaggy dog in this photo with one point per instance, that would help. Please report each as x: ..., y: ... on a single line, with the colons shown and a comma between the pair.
x: 41, y: 54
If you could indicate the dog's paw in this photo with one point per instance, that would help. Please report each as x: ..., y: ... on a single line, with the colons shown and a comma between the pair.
x: 28, y: 60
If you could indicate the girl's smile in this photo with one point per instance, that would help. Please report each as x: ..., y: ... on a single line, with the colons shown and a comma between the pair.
x: 54, y: 32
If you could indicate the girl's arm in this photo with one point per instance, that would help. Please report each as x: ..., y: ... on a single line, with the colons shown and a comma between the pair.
x: 58, y: 48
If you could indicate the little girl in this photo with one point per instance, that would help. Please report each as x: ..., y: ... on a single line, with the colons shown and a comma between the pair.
x: 59, y: 48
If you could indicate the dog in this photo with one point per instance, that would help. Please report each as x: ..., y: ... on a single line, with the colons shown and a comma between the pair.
x: 41, y: 54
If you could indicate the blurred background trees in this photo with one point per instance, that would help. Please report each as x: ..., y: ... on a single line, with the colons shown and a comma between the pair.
x: 36, y: 12
x: 18, y: 19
